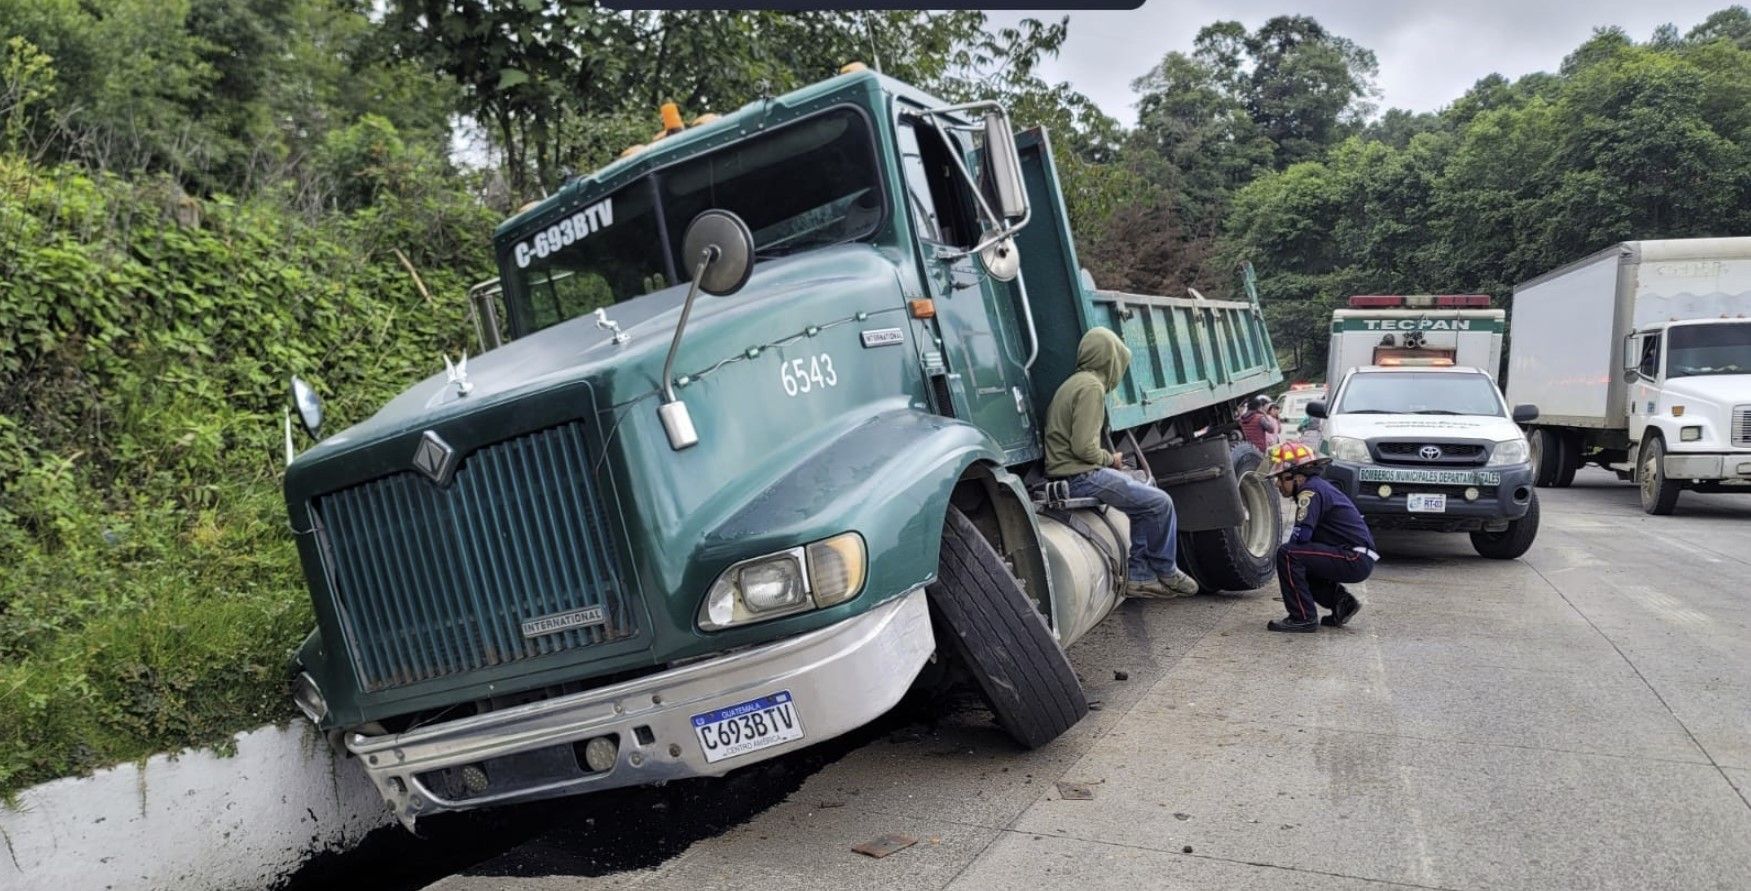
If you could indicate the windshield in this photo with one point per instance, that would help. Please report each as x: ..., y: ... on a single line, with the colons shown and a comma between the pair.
x: 800, y: 186
x: 1708, y: 349
x: 1420, y: 393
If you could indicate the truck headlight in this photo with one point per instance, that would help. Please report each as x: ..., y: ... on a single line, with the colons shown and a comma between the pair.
x: 818, y: 575
x: 1690, y: 434
x: 308, y: 697
x: 1511, y: 451
x: 1349, y: 450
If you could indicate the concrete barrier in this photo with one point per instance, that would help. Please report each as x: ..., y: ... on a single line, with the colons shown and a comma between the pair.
x: 196, y: 820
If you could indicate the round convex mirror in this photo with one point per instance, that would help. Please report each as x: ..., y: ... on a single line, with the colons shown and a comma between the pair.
x: 727, y: 238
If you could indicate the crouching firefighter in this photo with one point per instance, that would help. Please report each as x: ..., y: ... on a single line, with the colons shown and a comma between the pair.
x: 1331, y: 545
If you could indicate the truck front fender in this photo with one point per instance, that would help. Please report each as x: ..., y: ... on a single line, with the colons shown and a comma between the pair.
x: 888, y: 478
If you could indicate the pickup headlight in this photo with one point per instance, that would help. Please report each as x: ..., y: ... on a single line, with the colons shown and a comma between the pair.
x: 308, y: 697
x: 1511, y: 451
x: 1349, y: 450
x: 819, y: 575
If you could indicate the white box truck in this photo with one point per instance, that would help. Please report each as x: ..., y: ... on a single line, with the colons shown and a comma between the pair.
x: 1639, y: 360
x: 1415, y: 329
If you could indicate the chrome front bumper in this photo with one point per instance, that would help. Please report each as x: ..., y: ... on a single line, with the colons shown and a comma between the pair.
x: 840, y: 677
x: 1690, y: 466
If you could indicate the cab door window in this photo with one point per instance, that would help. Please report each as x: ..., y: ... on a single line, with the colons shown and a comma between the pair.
x: 935, y: 185
x: 1650, y: 364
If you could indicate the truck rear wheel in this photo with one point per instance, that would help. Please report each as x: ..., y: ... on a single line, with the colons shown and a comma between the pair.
x: 1512, y: 541
x: 988, y: 622
x: 1546, y: 452
x: 1659, y: 494
x: 1241, y: 558
x: 1568, y: 458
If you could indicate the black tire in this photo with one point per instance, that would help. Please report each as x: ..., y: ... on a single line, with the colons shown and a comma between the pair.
x: 988, y: 622
x: 1568, y: 459
x: 1512, y: 541
x: 1546, y: 452
x: 1220, y: 559
x: 1659, y: 494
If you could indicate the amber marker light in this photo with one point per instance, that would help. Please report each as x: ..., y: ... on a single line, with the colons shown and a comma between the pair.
x: 922, y: 308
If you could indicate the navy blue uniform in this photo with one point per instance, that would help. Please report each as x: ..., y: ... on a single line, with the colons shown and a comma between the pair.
x: 1331, y: 545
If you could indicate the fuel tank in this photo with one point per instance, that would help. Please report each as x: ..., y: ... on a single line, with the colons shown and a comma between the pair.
x: 1085, y: 553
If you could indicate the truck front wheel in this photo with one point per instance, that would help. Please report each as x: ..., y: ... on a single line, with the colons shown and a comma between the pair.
x: 987, y: 621
x: 1241, y: 558
x: 1659, y: 494
x: 1512, y: 541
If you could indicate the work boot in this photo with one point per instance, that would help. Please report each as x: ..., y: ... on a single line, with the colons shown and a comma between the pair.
x: 1347, y: 610
x: 1292, y: 626
x: 1149, y: 589
x: 1180, y: 583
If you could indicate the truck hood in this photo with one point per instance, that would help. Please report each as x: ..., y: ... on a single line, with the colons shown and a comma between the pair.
x: 1456, y: 426
x: 1725, y: 390
x: 577, y: 349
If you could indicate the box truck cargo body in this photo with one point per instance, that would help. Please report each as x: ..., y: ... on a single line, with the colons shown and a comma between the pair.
x: 1639, y: 360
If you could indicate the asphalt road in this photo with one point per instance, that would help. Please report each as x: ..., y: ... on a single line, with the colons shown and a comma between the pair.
x: 1578, y: 718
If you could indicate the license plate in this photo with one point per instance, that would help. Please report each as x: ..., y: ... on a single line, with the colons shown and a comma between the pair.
x: 748, y: 726
x: 1420, y: 503
x: 1431, y: 477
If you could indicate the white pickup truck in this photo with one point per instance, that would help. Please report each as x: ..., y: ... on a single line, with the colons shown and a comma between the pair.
x: 1639, y: 357
x: 1434, y: 448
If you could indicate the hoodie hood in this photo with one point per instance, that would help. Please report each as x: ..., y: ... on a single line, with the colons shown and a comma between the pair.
x: 1102, y: 354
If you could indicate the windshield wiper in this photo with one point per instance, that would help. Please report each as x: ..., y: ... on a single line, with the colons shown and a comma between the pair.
x: 1437, y: 411
x: 1366, y: 411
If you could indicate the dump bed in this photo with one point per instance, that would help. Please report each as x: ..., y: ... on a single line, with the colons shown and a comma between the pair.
x: 1187, y: 353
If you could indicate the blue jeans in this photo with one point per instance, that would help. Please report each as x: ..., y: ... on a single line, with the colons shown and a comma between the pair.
x: 1154, y: 528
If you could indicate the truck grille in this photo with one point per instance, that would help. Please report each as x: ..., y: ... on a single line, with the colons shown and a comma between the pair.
x: 433, y: 581
x: 1742, y: 425
x: 1449, y: 452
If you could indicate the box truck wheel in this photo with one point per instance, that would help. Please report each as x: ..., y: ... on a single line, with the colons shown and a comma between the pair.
x: 1568, y: 458
x: 1545, y: 453
x: 1512, y: 541
x: 985, y: 619
x: 1241, y: 558
x: 1659, y: 494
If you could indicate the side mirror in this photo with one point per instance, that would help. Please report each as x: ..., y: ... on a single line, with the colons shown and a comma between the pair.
x: 1003, y: 164
x: 718, y: 251
x: 1525, y: 414
x: 1316, y: 409
x: 309, y: 406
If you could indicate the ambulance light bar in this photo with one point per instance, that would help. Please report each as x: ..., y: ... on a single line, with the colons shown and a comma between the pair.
x: 1420, y: 301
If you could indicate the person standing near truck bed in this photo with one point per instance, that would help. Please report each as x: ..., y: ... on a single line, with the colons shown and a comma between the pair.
x: 1331, y: 545
x: 1074, y: 453
x: 1257, y: 425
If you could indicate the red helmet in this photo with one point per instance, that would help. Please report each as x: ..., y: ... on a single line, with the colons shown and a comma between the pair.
x: 1291, y: 456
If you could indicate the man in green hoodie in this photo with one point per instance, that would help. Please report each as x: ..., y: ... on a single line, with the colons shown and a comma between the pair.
x: 1073, y: 452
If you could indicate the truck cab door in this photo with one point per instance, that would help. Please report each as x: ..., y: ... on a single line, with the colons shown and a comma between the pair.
x: 978, y: 318
x: 1644, y: 392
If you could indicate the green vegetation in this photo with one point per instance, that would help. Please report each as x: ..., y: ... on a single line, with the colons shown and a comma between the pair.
x: 199, y: 198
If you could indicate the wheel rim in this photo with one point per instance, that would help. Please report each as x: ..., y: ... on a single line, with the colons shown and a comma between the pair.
x: 1256, y: 529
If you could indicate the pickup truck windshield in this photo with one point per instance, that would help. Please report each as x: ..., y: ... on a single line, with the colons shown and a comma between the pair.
x: 1420, y: 393
x: 1708, y: 349
x: 799, y: 186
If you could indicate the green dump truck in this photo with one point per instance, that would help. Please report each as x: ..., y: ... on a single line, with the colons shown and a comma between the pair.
x: 754, y: 439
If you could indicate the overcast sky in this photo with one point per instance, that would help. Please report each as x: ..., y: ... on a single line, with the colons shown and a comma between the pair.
x: 1430, y: 51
